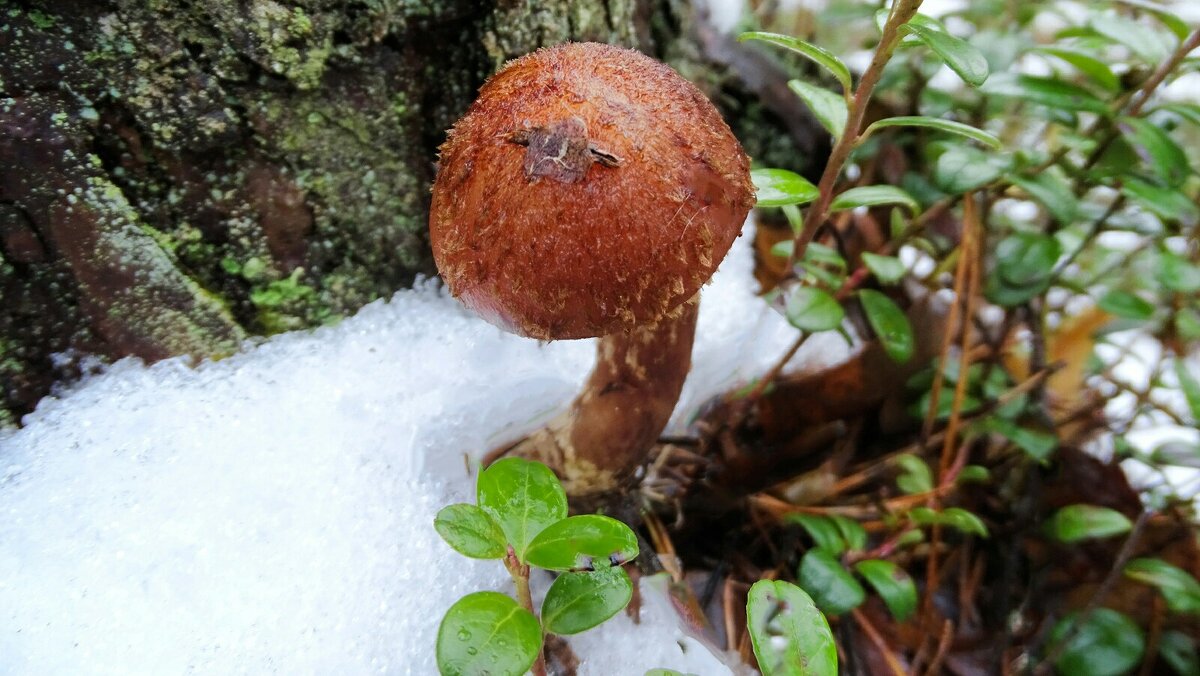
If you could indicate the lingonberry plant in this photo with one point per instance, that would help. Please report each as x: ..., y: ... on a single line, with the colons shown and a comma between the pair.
x: 1051, y: 199
x: 520, y: 517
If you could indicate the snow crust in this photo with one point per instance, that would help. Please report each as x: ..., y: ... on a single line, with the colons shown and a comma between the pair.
x: 272, y: 512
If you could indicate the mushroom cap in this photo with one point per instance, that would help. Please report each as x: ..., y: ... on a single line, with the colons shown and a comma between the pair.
x: 589, y: 189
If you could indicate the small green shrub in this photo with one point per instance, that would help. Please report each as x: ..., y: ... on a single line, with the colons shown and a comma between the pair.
x: 520, y: 517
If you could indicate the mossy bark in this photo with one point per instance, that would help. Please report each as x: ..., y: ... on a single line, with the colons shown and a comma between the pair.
x: 178, y: 175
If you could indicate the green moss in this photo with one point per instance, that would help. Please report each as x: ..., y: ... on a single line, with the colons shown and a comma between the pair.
x: 357, y: 164
x: 525, y: 25
x: 42, y: 20
x: 231, y: 266
x: 292, y: 47
x: 255, y: 269
x: 9, y: 364
x: 287, y: 304
x: 300, y: 23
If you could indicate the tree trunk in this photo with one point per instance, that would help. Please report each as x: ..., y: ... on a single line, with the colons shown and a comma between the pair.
x: 177, y: 175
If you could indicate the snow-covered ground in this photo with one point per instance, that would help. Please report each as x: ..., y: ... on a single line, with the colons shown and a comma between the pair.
x: 273, y: 512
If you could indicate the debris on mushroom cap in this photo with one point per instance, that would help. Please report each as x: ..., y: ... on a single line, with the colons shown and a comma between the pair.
x: 589, y: 189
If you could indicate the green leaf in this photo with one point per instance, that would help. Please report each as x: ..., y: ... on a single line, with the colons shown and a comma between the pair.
x: 1188, y: 112
x: 962, y: 520
x: 578, y: 542
x: 1108, y: 644
x: 824, y: 255
x: 1178, y: 453
x: 794, y: 218
x: 945, y: 405
x: 822, y: 57
x: 1037, y: 444
x: 829, y: 108
x: 817, y: 258
x: 523, y: 496
x: 1190, y: 387
x: 995, y: 385
x: 824, y: 532
x: 1187, y: 324
x: 666, y: 672
x: 1169, y: 204
x: 833, y: 533
x: 852, y: 532
x: 1163, y: 13
x: 873, y: 196
x: 1024, y: 262
x: 810, y: 309
x: 924, y: 20
x: 470, y: 531
x: 1046, y: 91
x: 1157, y: 149
x: 910, y: 537
x: 938, y: 123
x: 1094, y: 68
x: 487, y: 633
x: 887, y: 269
x: 1074, y: 523
x: 955, y: 517
x: 962, y: 58
x: 789, y: 635
x: 961, y: 168
x: 1178, y: 587
x: 1126, y: 305
x: 974, y: 474
x: 889, y: 323
x: 1177, y: 273
x: 1053, y: 192
x: 579, y: 601
x: 892, y: 584
x: 1142, y: 40
x: 916, y: 477
x: 822, y: 277
x: 831, y: 586
x: 780, y: 187
x: 1011, y: 295
x: 1179, y: 651
x: 1116, y: 162
x: 897, y: 224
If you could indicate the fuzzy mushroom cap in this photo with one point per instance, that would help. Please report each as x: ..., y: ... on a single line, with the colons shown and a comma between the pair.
x: 589, y: 189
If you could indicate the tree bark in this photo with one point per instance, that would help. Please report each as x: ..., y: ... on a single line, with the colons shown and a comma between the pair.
x: 178, y: 175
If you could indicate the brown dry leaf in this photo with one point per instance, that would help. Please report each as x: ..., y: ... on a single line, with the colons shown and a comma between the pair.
x: 1070, y: 346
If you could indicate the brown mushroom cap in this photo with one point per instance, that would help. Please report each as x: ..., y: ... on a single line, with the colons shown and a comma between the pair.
x: 587, y: 190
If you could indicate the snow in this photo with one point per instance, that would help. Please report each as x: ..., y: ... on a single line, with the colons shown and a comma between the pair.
x: 1131, y: 354
x: 272, y: 512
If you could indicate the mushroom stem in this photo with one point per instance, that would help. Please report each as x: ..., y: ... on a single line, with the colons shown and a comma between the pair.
x: 596, y: 445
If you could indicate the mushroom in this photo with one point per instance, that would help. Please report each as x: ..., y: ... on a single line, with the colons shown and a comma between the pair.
x: 590, y: 191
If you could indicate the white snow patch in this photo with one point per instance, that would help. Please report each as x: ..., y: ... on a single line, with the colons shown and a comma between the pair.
x: 1131, y: 354
x: 272, y: 512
